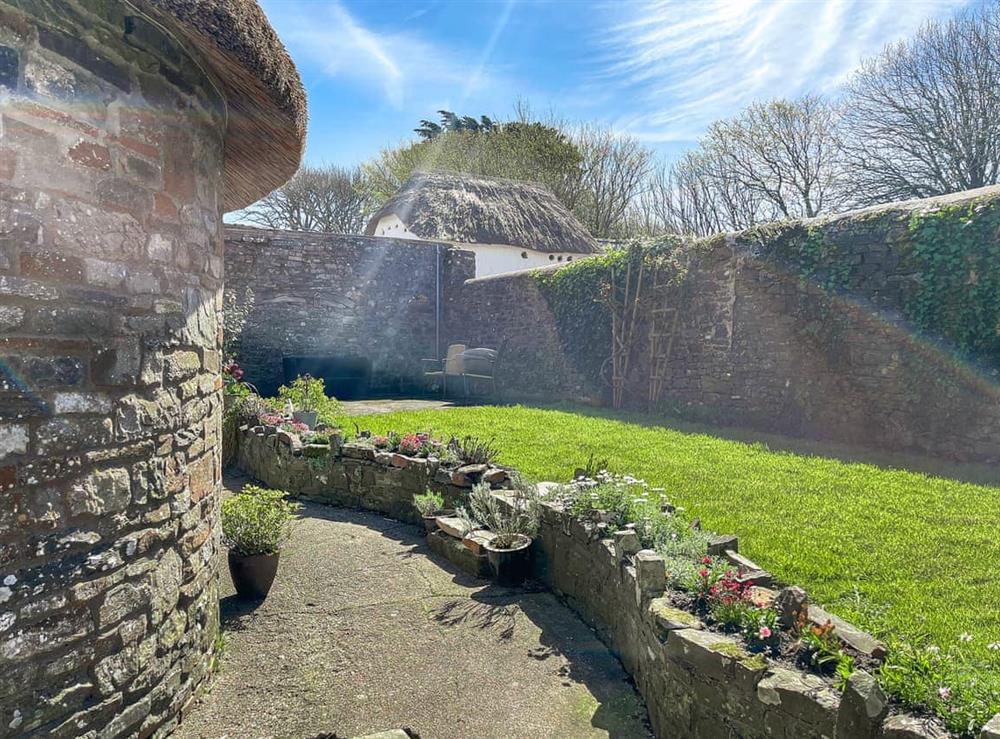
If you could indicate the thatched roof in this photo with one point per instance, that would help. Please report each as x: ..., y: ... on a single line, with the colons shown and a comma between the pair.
x: 265, y: 100
x: 467, y: 209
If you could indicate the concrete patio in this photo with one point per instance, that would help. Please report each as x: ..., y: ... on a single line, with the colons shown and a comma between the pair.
x: 364, y: 631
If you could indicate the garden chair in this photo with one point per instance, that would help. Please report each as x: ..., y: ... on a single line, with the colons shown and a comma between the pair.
x: 480, y: 365
x: 452, y: 366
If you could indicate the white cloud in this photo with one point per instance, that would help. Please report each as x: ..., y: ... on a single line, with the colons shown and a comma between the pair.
x: 402, y: 65
x: 689, y: 63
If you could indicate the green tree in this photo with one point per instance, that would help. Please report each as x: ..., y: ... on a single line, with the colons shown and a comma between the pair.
x: 519, y: 150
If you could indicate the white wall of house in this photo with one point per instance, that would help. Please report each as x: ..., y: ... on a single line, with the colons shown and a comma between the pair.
x: 491, y: 259
x: 392, y: 227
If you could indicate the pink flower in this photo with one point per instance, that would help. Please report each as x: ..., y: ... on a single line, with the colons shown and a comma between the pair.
x: 706, y: 560
x: 703, y: 573
x: 764, y: 633
x: 945, y: 693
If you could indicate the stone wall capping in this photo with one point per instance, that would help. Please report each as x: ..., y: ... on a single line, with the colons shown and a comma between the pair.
x: 626, y: 544
x: 904, y: 726
x: 760, y: 578
x: 668, y: 618
x: 452, y: 526
x: 723, y: 545
x: 852, y: 636
x: 790, y: 602
x: 738, y: 560
x: 802, y: 695
x: 651, y: 571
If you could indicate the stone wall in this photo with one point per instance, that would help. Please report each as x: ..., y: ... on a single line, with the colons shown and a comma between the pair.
x: 111, y: 147
x: 695, y: 682
x: 331, y: 294
x: 511, y: 313
x: 758, y: 345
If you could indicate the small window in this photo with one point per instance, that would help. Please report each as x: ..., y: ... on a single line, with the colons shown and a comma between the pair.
x: 524, y: 255
x: 552, y: 257
x: 569, y: 259
x: 560, y: 258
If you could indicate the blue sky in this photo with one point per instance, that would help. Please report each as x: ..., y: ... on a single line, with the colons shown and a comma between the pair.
x: 661, y: 70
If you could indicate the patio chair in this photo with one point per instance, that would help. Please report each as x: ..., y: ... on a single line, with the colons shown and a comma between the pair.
x: 480, y: 364
x: 452, y: 366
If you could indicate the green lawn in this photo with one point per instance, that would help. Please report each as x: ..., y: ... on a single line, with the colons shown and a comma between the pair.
x: 900, y: 553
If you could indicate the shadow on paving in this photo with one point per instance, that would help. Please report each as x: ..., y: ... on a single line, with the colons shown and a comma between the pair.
x: 365, y: 630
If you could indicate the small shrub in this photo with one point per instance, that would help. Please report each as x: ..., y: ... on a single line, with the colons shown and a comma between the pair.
x: 257, y: 521
x: 315, y: 438
x: 822, y: 651
x: 429, y: 503
x: 761, y: 631
x: 473, y: 450
x: 244, y: 411
x: 520, y: 517
x: 232, y: 381
x: 307, y: 393
x: 946, y: 681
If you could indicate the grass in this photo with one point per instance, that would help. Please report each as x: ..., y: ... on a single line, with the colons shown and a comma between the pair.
x: 903, y: 554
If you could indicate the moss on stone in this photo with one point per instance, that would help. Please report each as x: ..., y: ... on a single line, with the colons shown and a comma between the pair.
x: 663, y: 611
x: 736, y: 652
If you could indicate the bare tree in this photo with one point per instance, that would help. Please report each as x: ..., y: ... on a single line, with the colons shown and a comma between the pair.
x: 614, y: 170
x: 923, y: 117
x: 784, y: 152
x: 330, y: 199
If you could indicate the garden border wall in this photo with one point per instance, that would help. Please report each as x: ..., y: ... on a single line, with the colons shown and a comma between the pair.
x: 696, y: 683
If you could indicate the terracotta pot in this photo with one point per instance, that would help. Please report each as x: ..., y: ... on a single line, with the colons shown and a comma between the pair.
x: 309, y: 418
x: 510, y: 566
x: 253, y: 575
x: 430, y: 522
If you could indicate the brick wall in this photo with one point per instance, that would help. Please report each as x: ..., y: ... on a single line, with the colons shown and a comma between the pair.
x: 758, y: 346
x: 110, y: 280
x: 331, y: 294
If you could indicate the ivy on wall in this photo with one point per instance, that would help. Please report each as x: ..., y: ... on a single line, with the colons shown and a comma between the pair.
x: 583, y: 321
x: 956, y: 252
x: 580, y: 295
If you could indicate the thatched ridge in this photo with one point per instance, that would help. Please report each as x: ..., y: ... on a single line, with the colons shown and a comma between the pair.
x: 264, y: 95
x: 467, y: 209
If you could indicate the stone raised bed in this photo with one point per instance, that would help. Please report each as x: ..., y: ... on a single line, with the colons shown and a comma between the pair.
x: 696, y: 682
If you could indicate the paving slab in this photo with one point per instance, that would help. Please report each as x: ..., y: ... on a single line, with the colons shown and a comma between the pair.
x: 366, y: 631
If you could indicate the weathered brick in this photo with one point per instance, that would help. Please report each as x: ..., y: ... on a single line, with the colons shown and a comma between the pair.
x: 79, y: 51
x: 13, y: 440
x: 103, y: 492
x: 38, y: 372
x: 76, y: 402
x: 92, y: 155
x: 122, y: 601
x: 63, y: 435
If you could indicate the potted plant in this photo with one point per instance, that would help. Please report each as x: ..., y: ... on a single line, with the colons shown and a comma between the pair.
x: 430, y: 505
x: 309, y: 402
x: 513, y: 523
x: 256, y: 523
